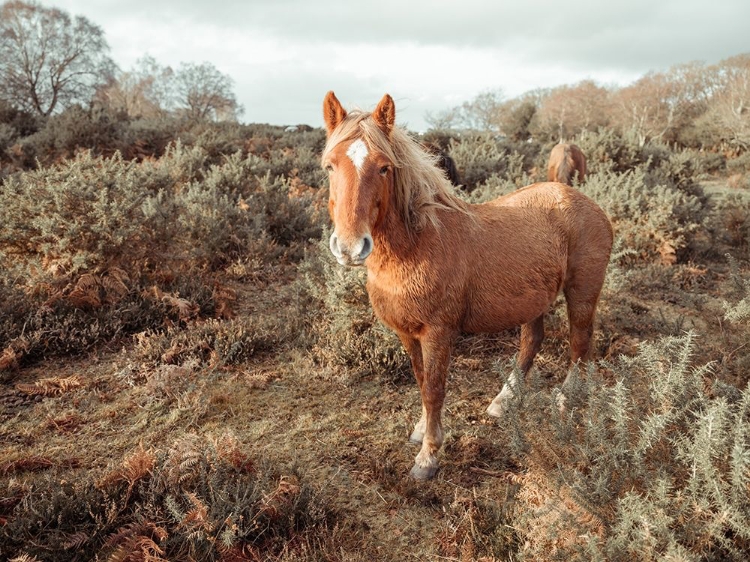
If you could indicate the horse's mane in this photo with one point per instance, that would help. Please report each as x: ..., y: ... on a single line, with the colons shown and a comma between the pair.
x: 421, y: 188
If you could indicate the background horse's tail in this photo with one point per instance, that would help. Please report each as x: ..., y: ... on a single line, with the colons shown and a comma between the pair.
x: 566, y: 167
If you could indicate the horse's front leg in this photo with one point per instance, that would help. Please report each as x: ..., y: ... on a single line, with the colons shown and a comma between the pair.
x: 414, y: 349
x: 436, y: 351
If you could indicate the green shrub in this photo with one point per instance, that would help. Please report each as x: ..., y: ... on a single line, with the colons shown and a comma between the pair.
x: 730, y: 223
x: 478, y: 158
x: 511, y: 178
x: 656, y: 219
x: 75, y: 129
x: 85, y: 238
x: 740, y: 164
x: 608, y: 149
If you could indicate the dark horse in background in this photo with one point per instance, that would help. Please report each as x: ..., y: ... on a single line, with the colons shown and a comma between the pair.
x: 438, y: 266
x: 445, y: 163
x: 566, y: 162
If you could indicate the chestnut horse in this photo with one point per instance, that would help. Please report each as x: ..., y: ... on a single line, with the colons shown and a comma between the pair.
x: 438, y: 266
x: 565, y: 161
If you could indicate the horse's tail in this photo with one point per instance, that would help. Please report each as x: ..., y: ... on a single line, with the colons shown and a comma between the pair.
x: 565, y: 169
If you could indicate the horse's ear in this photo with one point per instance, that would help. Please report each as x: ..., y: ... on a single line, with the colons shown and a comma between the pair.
x: 333, y: 112
x: 385, y: 114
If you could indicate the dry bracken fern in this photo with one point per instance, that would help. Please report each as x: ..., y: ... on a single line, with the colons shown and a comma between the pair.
x: 52, y: 386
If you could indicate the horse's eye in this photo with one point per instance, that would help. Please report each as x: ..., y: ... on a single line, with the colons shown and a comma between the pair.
x: 384, y: 170
x: 329, y: 168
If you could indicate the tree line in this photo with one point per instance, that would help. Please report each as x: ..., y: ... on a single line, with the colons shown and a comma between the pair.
x: 693, y: 105
x: 50, y: 61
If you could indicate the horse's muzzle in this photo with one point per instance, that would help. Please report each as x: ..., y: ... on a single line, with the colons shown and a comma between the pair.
x: 356, y: 254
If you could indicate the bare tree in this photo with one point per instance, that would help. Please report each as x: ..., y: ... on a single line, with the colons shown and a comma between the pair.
x: 49, y: 61
x: 479, y: 114
x: 657, y: 105
x: 730, y: 105
x: 204, y: 93
x: 146, y: 90
x: 442, y: 120
x: 568, y: 110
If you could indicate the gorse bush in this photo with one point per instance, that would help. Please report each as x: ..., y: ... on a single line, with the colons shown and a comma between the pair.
x: 655, y: 218
x: 344, y: 333
x: 650, y: 467
x: 84, y: 239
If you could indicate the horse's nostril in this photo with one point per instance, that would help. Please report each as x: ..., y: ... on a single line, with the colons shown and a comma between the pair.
x: 333, y: 244
x: 366, y: 247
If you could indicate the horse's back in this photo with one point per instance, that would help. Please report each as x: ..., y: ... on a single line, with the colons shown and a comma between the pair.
x: 573, y: 215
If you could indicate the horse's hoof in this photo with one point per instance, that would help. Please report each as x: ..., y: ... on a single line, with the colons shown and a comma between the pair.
x: 416, y: 437
x: 496, y: 409
x: 423, y: 472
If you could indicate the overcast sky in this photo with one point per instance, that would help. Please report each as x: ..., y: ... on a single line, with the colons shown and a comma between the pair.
x: 430, y: 55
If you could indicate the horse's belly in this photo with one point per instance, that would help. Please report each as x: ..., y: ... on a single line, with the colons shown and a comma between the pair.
x: 487, y: 314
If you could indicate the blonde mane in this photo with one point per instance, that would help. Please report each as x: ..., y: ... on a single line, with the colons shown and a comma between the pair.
x: 421, y: 188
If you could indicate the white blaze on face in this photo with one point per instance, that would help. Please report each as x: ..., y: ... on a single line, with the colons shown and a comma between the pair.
x: 357, y: 153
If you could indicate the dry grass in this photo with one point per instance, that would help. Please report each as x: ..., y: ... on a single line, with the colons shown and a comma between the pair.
x: 109, y: 419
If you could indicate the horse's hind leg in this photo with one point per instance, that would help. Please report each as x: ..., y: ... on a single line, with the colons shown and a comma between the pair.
x: 532, y: 335
x: 582, y: 300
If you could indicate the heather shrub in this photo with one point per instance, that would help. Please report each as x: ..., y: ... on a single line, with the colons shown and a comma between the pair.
x: 202, y: 498
x: 149, y: 138
x: 649, y: 466
x: 730, y: 223
x: 22, y: 122
x: 501, y: 183
x: 216, y: 343
x: 738, y: 311
x: 8, y: 136
x: 711, y: 163
x: 76, y: 128
x: 740, y: 164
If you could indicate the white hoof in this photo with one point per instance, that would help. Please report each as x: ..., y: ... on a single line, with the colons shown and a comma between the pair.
x: 416, y: 437
x: 497, y: 407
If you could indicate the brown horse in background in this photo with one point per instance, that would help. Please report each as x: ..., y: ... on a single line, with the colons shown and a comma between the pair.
x: 438, y: 266
x: 565, y: 161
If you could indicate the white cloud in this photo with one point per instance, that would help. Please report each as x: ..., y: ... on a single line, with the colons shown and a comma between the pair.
x: 428, y: 54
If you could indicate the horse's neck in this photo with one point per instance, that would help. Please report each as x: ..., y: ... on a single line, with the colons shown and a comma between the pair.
x: 394, y: 246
